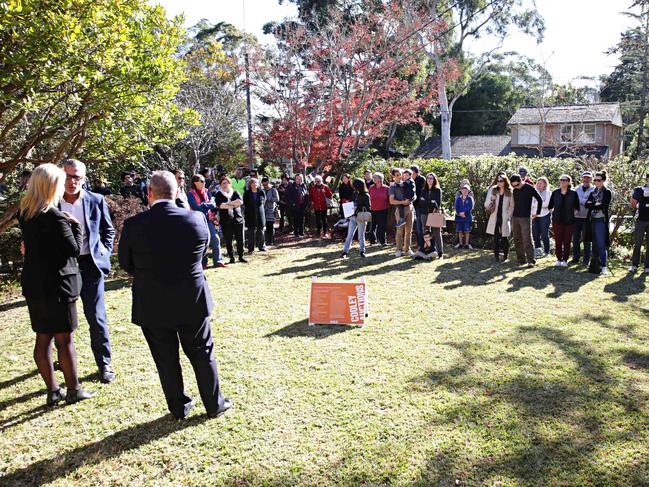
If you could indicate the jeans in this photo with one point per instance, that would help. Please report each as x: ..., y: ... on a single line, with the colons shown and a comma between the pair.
x: 640, y: 234
x: 419, y: 228
x: 501, y: 244
x: 541, y: 232
x: 94, y: 308
x: 599, y: 240
x: 270, y: 232
x: 436, y: 232
x: 351, y: 229
x: 522, y: 230
x: 379, y: 226
x: 215, y: 243
x: 321, y: 220
x: 562, y: 238
x: 404, y: 232
x: 577, y: 237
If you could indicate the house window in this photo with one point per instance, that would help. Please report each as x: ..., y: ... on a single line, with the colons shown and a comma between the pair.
x: 585, y: 134
x: 529, y: 134
x: 578, y: 134
x: 566, y: 133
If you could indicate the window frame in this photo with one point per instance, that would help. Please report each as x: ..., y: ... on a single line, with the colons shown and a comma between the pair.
x: 526, y: 134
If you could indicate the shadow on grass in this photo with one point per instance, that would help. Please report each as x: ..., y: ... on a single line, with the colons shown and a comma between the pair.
x: 476, y: 270
x: 626, y: 287
x: 115, y: 284
x: 12, y: 305
x: 302, y: 329
x: 636, y: 360
x: 564, y: 281
x: 16, y: 380
x: 549, y: 427
x: 52, y: 469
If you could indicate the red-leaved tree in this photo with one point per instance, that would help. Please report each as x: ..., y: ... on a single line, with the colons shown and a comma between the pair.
x: 334, y: 88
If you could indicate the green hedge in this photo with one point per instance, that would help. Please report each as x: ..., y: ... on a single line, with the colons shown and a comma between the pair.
x: 624, y: 175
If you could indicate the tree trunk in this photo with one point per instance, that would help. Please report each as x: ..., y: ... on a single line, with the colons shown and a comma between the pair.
x: 645, y: 83
x: 445, y: 116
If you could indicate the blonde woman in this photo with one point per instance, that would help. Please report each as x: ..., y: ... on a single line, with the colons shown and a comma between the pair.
x: 499, y: 204
x: 541, y: 224
x: 50, y: 280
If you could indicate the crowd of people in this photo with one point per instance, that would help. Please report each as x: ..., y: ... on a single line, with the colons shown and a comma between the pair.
x: 68, y: 239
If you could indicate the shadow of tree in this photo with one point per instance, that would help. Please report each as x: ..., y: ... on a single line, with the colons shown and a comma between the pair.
x: 477, y: 270
x: 636, y: 360
x: 555, y: 421
x: 12, y: 305
x: 44, y: 471
x: 16, y: 380
x: 302, y: 329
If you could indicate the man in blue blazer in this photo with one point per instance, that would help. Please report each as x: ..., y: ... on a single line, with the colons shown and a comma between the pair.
x: 94, y: 262
x: 163, y: 249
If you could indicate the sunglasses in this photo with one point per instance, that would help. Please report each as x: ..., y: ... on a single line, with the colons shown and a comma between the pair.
x: 500, y: 180
x: 598, y: 180
x: 564, y: 180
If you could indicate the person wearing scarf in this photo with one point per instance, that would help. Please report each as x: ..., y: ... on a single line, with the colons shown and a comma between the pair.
x: 229, y: 202
x: 598, y: 204
x: 255, y: 215
x: 200, y: 199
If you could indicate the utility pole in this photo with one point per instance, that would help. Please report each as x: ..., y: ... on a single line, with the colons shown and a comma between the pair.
x: 251, y: 141
x: 645, y: 81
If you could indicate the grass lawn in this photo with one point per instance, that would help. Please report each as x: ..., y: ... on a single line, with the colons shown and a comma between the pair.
x: 468, y: 372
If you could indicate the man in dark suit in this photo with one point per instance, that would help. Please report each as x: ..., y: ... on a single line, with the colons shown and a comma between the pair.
x: 94, y: 261
x: 163, y: 248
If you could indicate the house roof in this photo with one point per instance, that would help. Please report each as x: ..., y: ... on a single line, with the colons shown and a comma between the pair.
x: 598, y: 112
x: 599, y: 151
x: 465, y: 145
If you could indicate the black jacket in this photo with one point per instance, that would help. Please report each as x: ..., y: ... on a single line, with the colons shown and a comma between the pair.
x: 420, y: 183
x: 345, y: 192
x: 52, y: 246
x: 607, y: 196
x: 572, y: 205
x: 163, y: 249
x: 429, y: 200
x: 293, y: 192
x: 254, y: 212
x: 523, y: 196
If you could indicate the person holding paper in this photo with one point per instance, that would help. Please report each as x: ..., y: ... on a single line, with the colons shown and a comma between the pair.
x: 640, y: 201
x: 360, y: 217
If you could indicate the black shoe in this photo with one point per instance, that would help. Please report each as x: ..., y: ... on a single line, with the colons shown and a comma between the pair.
x: 242, y: 260
x: 188, y: 407
x: 106, y: 375
x: 263, y: 249
x: 76, y: 395
x: 54, y: 397
x: 363, y: 254
x: 227, y: 404
x: 343, y: 255
x: 574, y: 262
x: 232, y: 260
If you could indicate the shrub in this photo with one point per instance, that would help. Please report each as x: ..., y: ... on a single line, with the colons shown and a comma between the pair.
x: 120, y: 209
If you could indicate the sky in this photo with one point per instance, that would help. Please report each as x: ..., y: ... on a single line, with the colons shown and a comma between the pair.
x: 578, y: 32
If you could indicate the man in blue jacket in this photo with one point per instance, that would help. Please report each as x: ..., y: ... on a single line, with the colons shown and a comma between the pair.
x: 94, y: 262
x: 163, y: 249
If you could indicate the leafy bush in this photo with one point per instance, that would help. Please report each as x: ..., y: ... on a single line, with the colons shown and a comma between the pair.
x: 10, y: 257
x: 120, y: 209
x: 623, y: 176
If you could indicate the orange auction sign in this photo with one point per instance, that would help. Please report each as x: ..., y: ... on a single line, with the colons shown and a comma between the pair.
x: 338, y: 303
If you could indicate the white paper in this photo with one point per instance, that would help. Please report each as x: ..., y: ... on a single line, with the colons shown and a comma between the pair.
x: 348, y: 209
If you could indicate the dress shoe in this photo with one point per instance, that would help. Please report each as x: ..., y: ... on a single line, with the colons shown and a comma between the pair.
x: 227, y: 404
x: 54, y: 397
x: 76, y: 395
x: 188, y: 408
x: 232, y: 261
x: 243, y: 260
x: 106, y: 375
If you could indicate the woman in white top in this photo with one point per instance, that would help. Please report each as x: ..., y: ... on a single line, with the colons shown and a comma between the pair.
x: 541, y: 224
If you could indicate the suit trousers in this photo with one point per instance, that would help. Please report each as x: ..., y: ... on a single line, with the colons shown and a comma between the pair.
x: 522, y: 231
x: 94, y: 308
x: 198, y: 346
x: 640, y: 234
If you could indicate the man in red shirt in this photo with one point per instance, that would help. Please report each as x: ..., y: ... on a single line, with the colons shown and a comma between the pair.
x: 318, y: 195
x: 380, y: 204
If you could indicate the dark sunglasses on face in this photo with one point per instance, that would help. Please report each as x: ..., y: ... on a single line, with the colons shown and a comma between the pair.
x: 598, y: 180
x: 564, y: 180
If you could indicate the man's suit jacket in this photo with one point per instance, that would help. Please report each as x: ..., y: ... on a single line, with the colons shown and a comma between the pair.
x: 163, y: 249
x: 99, y: 228
x: 51, y: 249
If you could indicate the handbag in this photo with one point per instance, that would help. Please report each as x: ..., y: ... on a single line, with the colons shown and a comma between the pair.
x: 363, y: 217
x: 330, y: 203
x: 436, y: 220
